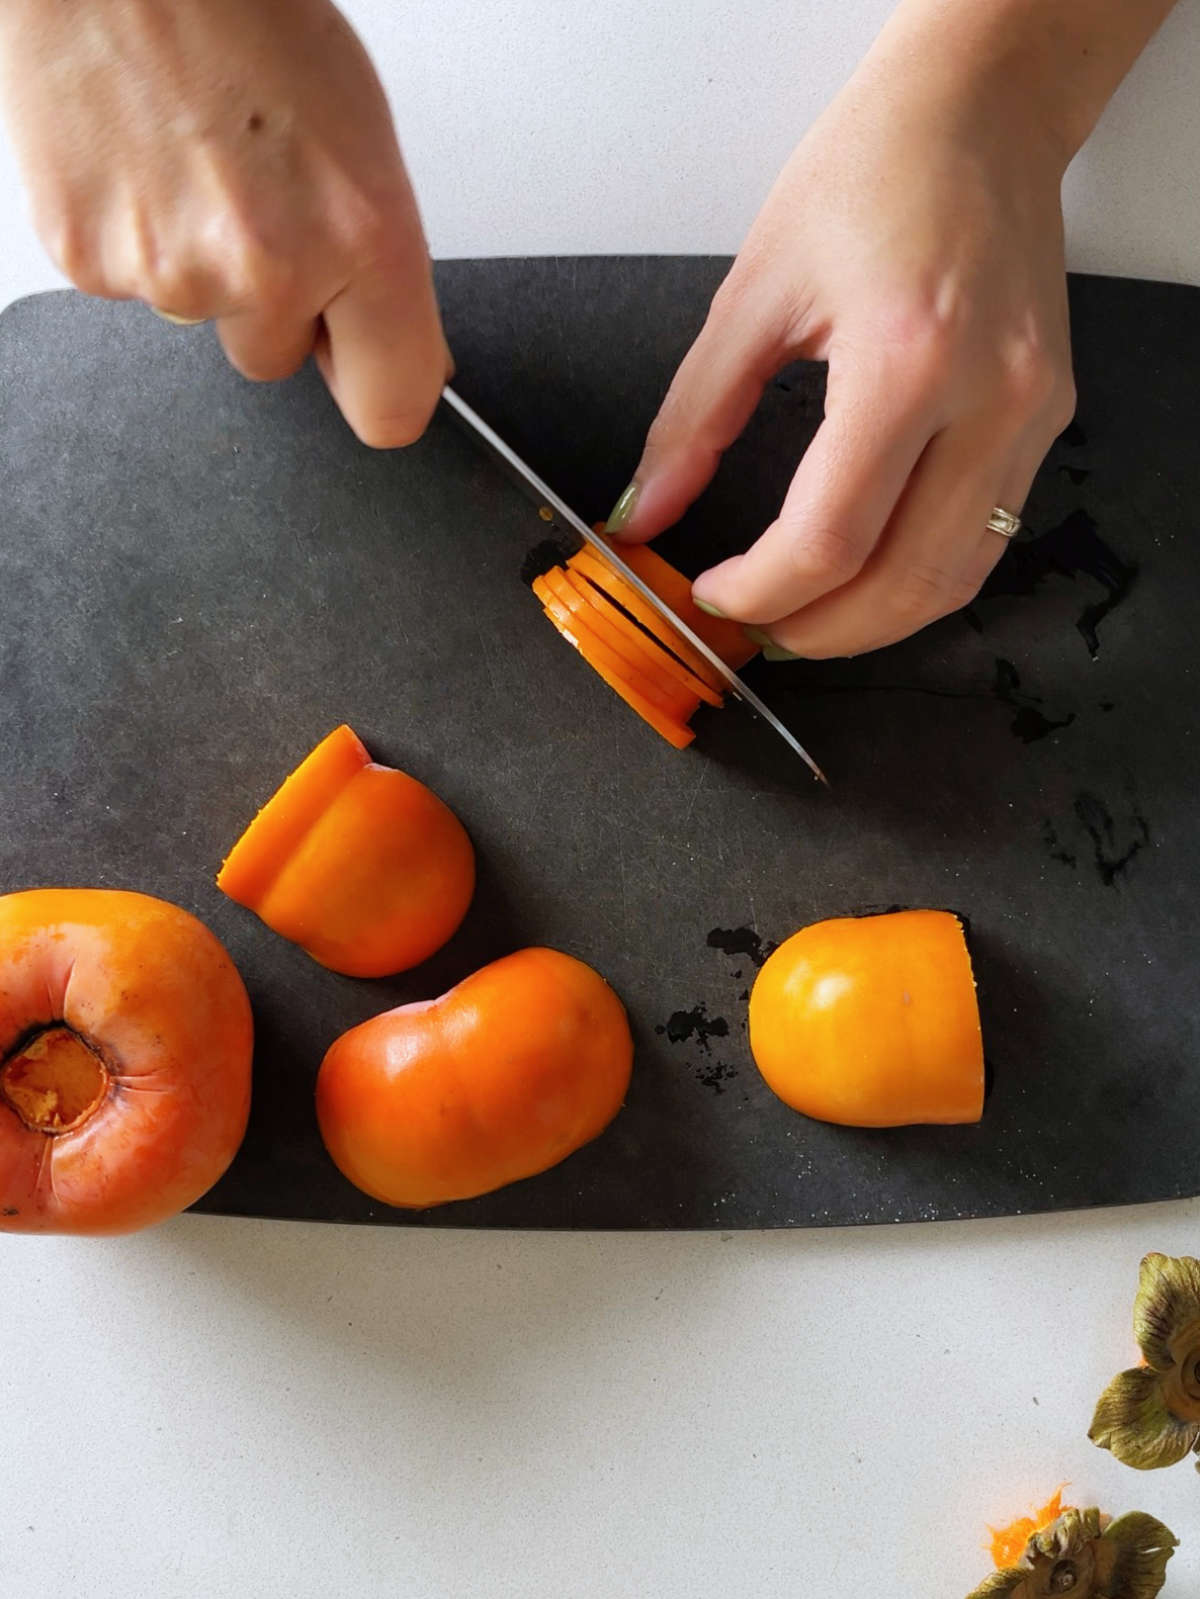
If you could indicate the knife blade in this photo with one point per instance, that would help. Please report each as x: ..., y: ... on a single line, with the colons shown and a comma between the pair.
x: 542, y: 494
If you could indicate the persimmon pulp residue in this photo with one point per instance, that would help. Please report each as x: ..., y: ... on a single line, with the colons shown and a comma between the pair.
x: 1008, y: 1543
x: 54, y: 1082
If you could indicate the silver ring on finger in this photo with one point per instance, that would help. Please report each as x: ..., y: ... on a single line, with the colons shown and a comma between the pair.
x: 1003, y: 522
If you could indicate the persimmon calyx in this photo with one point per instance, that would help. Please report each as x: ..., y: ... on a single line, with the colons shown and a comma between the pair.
x: 1087, y: 1555
x: 1149, y: 1416
x: 55, y: 1081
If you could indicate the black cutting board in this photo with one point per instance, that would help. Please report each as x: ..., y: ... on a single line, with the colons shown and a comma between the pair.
x: 199, y: 578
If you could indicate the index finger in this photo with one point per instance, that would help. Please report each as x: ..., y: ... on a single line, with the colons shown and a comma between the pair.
x: 840, y: 500
x: 381, y: 348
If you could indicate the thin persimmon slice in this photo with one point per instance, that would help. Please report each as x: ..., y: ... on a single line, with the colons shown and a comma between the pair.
x: 648, y: 659
x: 666, y: 726
x: 674, y: 702
x: 638, y: 639
x: 615, y: 589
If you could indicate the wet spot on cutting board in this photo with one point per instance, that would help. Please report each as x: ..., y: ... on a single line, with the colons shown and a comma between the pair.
x: 1113, y: 845
x: 737, y: 941
x: 1054, y: 847
x: 542, y: 557
x: 716, y: 1075
x: 1077, y: 474
x: 1073, y: 436
x: 1111, y: 842
x: 682, y: 1026
x: 1073, y: 549
x: 1031, y: 722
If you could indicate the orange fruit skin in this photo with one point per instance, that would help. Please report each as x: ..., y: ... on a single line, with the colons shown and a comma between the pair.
x: 155, y: 995
x: 872, y: 1021
x: 361, y: 865
x: 503, y: 1076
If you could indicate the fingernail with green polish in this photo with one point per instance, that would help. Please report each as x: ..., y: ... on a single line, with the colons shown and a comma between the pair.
x: 710, y: 610
x: 776, y: 652
x: 623, y: 509
x: 757, y: 636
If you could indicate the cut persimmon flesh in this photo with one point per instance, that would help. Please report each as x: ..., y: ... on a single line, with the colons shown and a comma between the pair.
x: 644, y: 673
x: 635, y: 638
x: 615, y: 589
x: 643, y: 653
x: 872, y: 1021
x: 672, y: 701
x: 273, y: 837
x: 667, y: 726
x: 724, y: 638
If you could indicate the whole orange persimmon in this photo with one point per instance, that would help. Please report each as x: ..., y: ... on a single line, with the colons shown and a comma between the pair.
x: 360, y: 864
x: 872, y: 1021
x: 125, y: 1052
x: 503, y: 1076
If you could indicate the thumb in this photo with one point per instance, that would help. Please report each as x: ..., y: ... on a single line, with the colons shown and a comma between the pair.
x: 713, y: 395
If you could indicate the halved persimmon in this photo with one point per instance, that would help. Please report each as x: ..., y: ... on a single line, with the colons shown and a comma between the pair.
x: 872, y: 1021
x: 360, y: 864
x: 673, y: 701
x: 637, y: 638
x: 507, y: 1074
x: 674, y: 731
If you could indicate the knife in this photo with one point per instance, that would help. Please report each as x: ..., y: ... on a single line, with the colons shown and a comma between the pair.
x: 542, y: 494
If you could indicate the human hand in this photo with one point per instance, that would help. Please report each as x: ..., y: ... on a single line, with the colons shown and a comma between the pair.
x: 915, y: 242
x: 235, y: 162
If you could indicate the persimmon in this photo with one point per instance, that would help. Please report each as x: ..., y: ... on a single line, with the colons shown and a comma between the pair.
x: 125, y: 1054
x: 503, y: 1076
x: 609, y: 666
x: 872, y: 1021
x: 636, y: 643
x: 724, y: 638
x: 624, y: 598
x: 573, y: 617
x: 360, y: 864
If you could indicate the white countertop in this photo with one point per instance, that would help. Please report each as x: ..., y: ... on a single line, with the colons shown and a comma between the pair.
x: 225, y: 1408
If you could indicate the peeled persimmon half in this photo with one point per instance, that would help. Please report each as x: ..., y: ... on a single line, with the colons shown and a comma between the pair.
x: 872, y: 1021
x: 503, y: 1076
x: 360, y: 864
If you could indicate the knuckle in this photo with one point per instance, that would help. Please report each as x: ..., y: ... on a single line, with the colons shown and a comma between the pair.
x: 1029, y: 375
x: 366, y: 229
x: 245, y: 266
x: 919, y: 333
x: 927, y: 591
x: 175, y: 285
x: 1062, y: 405
x: 826, y: 554
x: 267, y: 366
x: 727, y: 303
x: 72, y: 250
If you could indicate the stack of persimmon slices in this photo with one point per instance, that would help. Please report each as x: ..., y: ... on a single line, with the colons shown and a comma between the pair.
x: 636, y: 651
